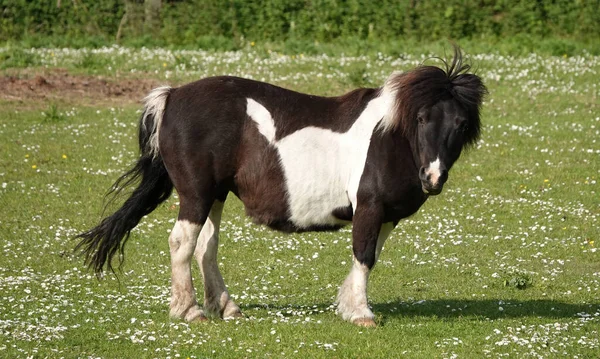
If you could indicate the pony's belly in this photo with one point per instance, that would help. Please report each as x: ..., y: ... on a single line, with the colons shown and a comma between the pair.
x: 315, y: 205
x: 280, y: 219
x: 292, y: 206
x: 312, y: 212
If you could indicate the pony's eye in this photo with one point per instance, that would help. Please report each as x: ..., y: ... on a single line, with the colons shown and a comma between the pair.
x: 421, y: 120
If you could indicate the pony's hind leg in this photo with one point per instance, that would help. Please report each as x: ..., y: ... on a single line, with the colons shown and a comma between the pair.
x: 182, y: 242
x: 195, y: 205
x: 216, y: 298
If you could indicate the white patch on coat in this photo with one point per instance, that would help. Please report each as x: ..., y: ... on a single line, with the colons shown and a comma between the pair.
x: 384, y: 233
x: 182, y: 243
x: 322, y: 168
x: 154, y: 107
x: 216, y: 296
x: 433, y: 171
x: 352, y: 303
x: 352, y: 297
x: 259, y: 114
x: 390, y: 118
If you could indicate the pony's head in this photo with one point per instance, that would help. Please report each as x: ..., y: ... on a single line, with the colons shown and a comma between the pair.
x: 437, y: 109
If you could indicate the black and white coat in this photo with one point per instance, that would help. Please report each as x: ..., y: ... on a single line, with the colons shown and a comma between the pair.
x: 298, y: 162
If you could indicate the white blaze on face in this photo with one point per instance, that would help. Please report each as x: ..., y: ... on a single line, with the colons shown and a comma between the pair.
x: 433, y: 171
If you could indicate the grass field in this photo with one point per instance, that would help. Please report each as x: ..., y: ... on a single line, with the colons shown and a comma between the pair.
x: 503, y: 264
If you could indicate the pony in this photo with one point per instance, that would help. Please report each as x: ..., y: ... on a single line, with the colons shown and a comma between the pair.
x: 298, y: 162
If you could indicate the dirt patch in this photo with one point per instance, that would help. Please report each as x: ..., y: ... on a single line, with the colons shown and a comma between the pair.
x: 62, y: 86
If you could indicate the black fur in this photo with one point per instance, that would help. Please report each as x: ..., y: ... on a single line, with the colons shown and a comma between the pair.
x: 427, y: 85
x: 101, y: 243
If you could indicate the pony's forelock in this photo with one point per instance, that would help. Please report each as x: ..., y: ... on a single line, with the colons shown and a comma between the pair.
x: 425, y: 86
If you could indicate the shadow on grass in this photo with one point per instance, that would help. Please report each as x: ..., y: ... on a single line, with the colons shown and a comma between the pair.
x: 488, y: 308
x: 455, y: 308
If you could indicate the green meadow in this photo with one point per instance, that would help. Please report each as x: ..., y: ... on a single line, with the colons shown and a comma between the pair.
x: 504, y: 263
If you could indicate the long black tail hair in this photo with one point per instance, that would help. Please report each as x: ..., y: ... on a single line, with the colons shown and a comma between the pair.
x: 101, y: 243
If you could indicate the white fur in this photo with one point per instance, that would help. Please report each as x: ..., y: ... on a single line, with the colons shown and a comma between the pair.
x: 322, y: 168
x: 182, y: 243
x: 352, y: 297
x: 259, y: 113
x: 154, y: 105
x: 433, y: 170
x: 216, y: 297
x: 389, y: 119
x: 384, y: 233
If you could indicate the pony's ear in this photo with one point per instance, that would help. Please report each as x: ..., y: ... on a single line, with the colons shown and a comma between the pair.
x: 470, y: 91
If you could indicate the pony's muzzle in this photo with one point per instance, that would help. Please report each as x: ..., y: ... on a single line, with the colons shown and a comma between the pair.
x: 432, y: 180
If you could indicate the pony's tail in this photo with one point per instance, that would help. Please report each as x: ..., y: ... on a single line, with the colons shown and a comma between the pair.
x: 101, y: 243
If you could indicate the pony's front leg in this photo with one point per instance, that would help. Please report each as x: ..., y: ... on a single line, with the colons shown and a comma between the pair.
x: 368, y: 236
x: 216, y: 298
x: 182, y: 243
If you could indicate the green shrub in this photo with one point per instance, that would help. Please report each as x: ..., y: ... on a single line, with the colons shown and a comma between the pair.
x: 298, y: 23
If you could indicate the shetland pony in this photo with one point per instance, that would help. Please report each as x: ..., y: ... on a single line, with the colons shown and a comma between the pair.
x: 298, y: 162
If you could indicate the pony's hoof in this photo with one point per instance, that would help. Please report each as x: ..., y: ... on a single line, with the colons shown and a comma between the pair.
x: 192, y: 314
x: 364, y: 322
x: 199, y: 319
x: 231, y: 311
x: 235, y: 315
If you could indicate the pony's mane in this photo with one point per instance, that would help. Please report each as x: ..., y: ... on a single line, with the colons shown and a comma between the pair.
x: 425, y: 86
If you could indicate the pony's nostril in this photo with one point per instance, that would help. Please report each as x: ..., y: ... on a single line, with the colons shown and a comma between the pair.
x: 422, y: 175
